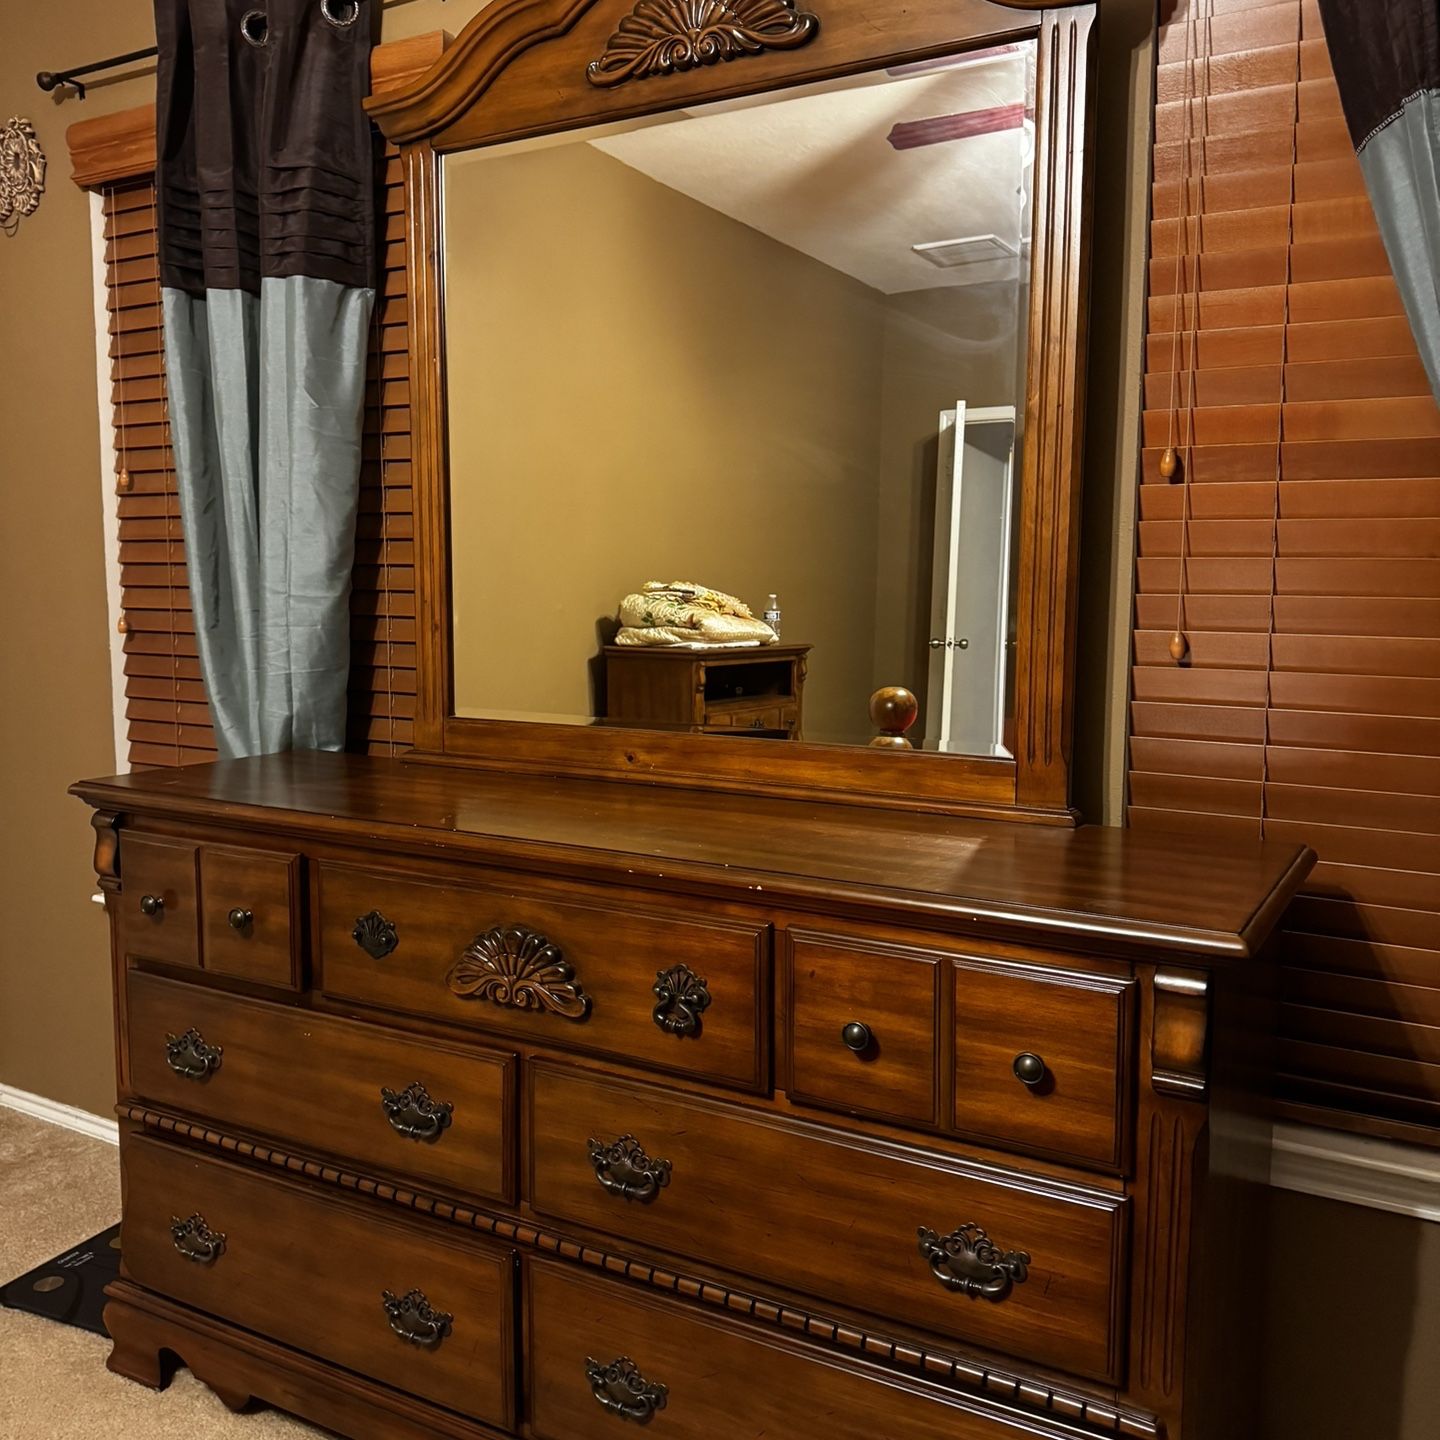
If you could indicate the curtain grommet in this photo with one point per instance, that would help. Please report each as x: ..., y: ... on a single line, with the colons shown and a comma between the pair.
x: 342, y: 14
x: 255, y: 28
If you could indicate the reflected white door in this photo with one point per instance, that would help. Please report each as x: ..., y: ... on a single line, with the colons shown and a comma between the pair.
x: 970, y: 606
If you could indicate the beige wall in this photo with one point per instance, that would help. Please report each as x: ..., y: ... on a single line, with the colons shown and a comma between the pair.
x: 1354, y: 1295
x: 644, y: 389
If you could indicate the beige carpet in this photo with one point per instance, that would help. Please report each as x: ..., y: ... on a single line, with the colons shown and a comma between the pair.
x: 57, y: 1187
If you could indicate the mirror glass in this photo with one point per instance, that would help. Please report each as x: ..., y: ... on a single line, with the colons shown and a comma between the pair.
x: 763, y: 355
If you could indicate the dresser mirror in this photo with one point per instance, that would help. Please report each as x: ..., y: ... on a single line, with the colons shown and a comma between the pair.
x: 773, y: 345
x: 745, y: 385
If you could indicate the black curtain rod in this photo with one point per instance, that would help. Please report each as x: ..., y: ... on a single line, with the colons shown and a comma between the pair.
x: 49, y: 80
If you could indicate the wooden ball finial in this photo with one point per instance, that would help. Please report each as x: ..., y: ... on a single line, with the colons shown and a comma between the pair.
x: 893, y: 710
x: 1179, y: 646
x: 1169, y: 463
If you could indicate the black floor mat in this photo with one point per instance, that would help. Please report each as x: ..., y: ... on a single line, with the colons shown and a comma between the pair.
x: 71, y: 1287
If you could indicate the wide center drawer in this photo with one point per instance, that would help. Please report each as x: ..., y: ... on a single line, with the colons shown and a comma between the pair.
x: 1013, y: 1262
x: 600, y: 1355
x: 374, y: 1097
x: 676, y: 990
x: 420, y: 1309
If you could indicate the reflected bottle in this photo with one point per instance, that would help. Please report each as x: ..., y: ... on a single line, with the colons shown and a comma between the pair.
x: 772, y: 613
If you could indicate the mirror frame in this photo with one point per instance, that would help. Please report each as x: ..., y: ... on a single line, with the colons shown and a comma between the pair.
x: 518, y: 69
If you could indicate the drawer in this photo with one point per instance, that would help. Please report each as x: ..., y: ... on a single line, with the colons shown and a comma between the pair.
x: 250, y: 918
x: 1042, y: 1059
x: 423, y: 1309
x: 1013, y: 1262
x: 864, y: 1027
x: 401, y: 1105
x: 674, y: 990
x: 765, y: 717
x: 156, y: 919
x: 587, y: 1338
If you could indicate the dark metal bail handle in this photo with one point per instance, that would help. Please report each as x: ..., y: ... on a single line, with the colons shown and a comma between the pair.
x: 623, y: 1168
x: 189, y: 1056
x: 622, y: 1390
x: 413, y: 1318
x: 969, y: 1261
x: 413, y: 1114
x: 681, y: 998
x: 195, y: 1240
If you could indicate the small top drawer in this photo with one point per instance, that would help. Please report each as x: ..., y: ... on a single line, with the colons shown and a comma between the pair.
x: 1042, y: 1058
x: 225, y: 908
x: 249, y: 900
x: 1037, y: 1057
x: 156, y: 918
x: 864, y: 1026
x: 675, y: 990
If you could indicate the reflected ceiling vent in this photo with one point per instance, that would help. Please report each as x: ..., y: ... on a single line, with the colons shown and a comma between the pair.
x: 969, y: 250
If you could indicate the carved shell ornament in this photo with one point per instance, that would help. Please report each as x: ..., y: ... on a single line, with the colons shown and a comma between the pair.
x: 22, y: 173
x: 521, y: 970
x: 659, y: 37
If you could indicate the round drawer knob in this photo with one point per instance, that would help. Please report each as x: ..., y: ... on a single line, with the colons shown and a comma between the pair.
x: 151, y: 904
x: 856, y: 1036
x: 1029, y: 1068
x: 239, y: 919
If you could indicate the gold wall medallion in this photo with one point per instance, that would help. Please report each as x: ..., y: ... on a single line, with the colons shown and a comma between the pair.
x: 22, y: 173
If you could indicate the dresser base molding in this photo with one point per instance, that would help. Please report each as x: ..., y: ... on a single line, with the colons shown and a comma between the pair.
x: 152, y: 1333
x: 972, y: 1377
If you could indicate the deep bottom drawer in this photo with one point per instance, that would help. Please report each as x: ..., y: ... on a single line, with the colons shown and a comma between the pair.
x: 598, y: 1353
x: 323, y: 1276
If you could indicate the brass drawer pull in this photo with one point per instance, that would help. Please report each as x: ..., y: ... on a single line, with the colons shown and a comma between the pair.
x: 375, y: 935
x: 152, y: 905
x: 969, y: 1261
x: 681, y: 997
x: 1029, y: 1069
x: 188, y: 1055
x: 412, y: 1113
x: 624, y: 1169
x: 241, y: 919
x: 195, y: 1240
x: 413, y: 1318
x: 620, y: 1388
x: 520, y: 969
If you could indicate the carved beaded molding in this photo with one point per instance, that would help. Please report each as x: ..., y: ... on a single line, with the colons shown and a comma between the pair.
x: 22, y: 173
x: 965, y: 1374
x: 659, y: 37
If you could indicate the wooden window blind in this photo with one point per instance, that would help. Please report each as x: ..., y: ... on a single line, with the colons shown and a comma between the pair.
x: 168, y: 718
x: 1309, y: 704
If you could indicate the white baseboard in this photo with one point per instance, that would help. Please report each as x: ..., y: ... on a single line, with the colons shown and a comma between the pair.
x: 70, y: 1117
x: 1381, y: 1174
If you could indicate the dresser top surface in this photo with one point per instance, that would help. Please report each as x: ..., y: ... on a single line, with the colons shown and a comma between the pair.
x: 1110, y: 887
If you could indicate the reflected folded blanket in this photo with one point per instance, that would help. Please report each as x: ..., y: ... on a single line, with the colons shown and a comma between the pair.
x: 683, y: 613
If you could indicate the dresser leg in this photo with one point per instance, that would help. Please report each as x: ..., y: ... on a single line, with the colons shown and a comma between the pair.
x: 138, y: 1352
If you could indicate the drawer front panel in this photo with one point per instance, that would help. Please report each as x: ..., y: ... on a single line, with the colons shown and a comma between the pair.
x: 157, y: 914
x: 250, y: 921
x: 313, y: 1273
x: 863, y: 1029
x: 317, y: 1081
x: 748, y: 1387
x: 673, y: 991
x: 836, y: 1216
x: 1042, y: 1058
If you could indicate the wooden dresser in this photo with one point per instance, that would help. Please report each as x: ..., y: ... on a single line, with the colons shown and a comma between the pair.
x: 455, y: 1104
